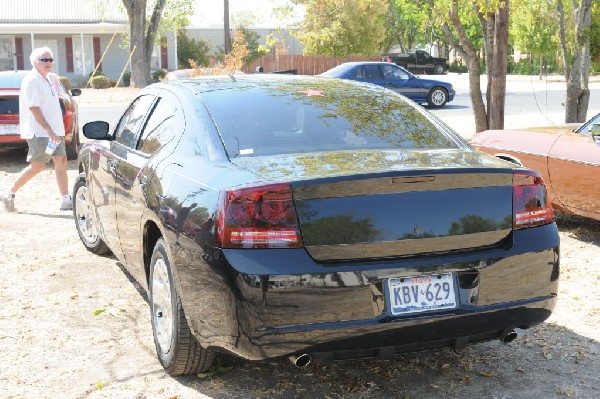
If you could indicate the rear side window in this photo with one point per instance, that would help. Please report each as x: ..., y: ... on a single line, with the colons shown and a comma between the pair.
x: 131, y: 121
x: 160, y: 128
x: 368, y: 72
x: 324, y: 116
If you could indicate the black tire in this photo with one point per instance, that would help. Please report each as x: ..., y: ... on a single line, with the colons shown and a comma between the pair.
x: 72, y: 147
x: 85, y: 221
x: 437, y: 97
x: 177, y: 348
x: 438, y: 69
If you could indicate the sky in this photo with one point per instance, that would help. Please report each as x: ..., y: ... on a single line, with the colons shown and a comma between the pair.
x: 250, y: 13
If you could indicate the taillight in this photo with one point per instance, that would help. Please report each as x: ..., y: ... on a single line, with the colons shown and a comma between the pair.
x: 531, y: 205
x: 389, y: 59
x: 258, y: 217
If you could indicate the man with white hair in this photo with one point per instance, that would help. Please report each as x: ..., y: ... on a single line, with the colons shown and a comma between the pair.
x: 41, y: 124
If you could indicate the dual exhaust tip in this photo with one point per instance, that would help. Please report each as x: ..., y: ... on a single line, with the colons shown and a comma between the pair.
x: 305, y: 359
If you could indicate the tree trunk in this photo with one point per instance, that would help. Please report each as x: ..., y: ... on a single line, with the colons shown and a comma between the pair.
x: 578, y: 93
x: 142, y: 34
x: 497, y: 77
x: 561, y: 34
x: 469, y: 53
x: 489, y: 33
x: 140, y: 71
x: 226, y: 26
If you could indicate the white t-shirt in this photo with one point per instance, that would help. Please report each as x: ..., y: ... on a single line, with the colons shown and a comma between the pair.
x: 36, y: 91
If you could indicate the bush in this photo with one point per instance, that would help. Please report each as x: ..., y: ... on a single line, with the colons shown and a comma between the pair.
x: 79, y: 81
x: 127, y: 79
x: 457, y: 66
x: 100, y: 82
x: 65, y: 82
x: 98, y: 73
x: 158, y: 75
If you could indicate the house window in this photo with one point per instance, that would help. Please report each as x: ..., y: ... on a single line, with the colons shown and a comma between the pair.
x: 83, y: 55
x: 7, y: 53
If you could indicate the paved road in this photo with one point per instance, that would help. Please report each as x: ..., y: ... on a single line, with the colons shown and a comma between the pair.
x: 529, y: 102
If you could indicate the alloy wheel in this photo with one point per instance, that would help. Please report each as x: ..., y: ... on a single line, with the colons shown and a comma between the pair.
x: 162, y: 311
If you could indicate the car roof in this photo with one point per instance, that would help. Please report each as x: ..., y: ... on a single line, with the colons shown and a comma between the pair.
x: 15, y: 72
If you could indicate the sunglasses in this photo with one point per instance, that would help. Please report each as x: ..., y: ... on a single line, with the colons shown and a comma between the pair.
x: 46, y: 59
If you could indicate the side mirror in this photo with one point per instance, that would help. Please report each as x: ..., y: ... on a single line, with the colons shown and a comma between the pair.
x: 97, y: 130
x: 595, y: 132
x: 75, y: 92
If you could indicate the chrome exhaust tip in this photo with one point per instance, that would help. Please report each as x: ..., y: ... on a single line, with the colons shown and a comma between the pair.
x: 508, y: 337
x: 301, y: 361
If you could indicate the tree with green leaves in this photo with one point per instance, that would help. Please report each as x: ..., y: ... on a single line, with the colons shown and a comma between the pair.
x: 406, y: 24
x: 145, y: 32
x: 540, y: 42
x: 595, y: 36
x: 342, y: 27
x: 255, y: 49
x: 189, y: 48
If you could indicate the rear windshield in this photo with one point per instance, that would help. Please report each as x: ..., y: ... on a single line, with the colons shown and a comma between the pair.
x: 320, y: 116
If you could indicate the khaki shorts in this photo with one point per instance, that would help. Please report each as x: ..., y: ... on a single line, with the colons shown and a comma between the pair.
x: 37, y: 149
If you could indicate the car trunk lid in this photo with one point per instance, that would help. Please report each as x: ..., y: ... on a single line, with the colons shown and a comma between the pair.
x: 403, y: 214
x: 355, y: 210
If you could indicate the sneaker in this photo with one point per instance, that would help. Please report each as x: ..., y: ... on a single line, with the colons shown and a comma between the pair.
x: 66, y: 204
x: 9, y: 201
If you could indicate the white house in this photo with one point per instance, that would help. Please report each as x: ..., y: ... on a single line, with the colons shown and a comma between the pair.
x: 85, y: 34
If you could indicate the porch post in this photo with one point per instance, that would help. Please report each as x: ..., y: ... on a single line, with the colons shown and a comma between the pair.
x: 176, y: 65
x: 83, y: 70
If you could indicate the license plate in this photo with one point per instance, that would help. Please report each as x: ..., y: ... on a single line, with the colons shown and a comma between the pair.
x: 421, y: 294
x: 6, y: 130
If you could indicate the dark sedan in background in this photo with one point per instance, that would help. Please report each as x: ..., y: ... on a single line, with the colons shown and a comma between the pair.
x: 434, y: 93
x: 568, y: 157
x: 279, y: 216
x: 10, y: 136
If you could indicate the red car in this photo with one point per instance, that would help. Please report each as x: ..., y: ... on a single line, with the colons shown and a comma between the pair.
x: 10, y: 85
x: 568, y: 157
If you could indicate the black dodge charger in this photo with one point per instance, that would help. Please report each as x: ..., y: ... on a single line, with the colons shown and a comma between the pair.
x: 275, y: 216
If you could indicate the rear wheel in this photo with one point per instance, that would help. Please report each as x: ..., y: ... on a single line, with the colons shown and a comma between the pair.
x: 437, y: 97
x: 178, y: 350
x: 85, y: 221
x: 438, y: 69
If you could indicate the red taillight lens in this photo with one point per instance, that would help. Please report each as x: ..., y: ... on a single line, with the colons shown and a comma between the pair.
x: 258, y: 217
x: 389, y: 59
x: 531, y: 205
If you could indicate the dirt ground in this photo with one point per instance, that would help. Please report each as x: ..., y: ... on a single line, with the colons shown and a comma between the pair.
x: 73, y: 325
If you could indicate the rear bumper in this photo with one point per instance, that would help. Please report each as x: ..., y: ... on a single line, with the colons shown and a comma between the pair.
x: 261, y: 304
